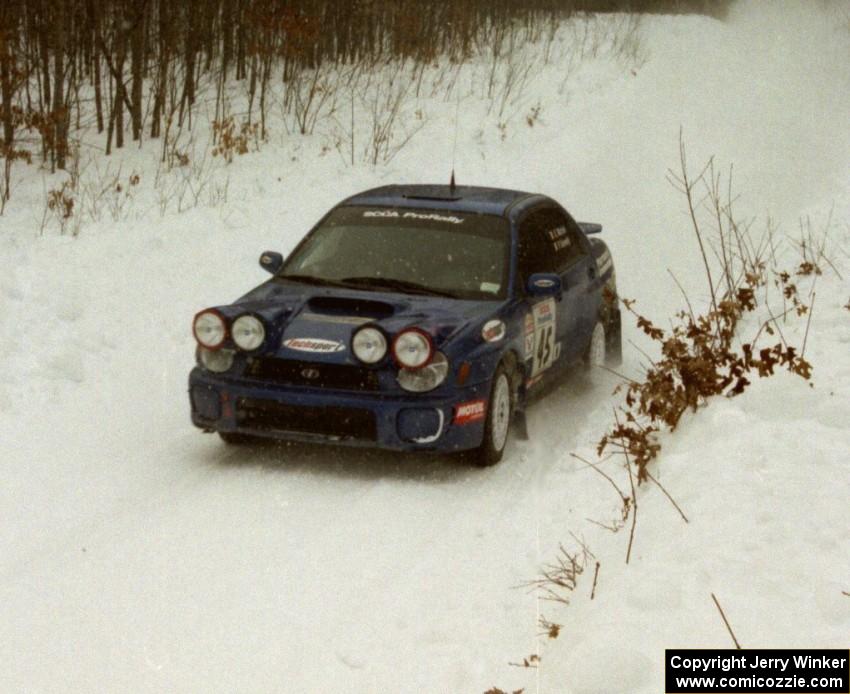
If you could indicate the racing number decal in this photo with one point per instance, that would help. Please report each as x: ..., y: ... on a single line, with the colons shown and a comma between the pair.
x: 540, y: 328
x: 545, y: 348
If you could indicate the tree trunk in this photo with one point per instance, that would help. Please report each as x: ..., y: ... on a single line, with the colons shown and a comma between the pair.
x: 7, y: 65
x: 59, y: 114
x: 137, y: 40
x: 162, y: 73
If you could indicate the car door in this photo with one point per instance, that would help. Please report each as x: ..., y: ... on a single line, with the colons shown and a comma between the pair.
x: 577, y: 269
x: 545, y: 327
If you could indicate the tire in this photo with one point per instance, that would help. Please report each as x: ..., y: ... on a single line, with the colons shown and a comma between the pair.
x: 235, y: 438
x: 614, y: 341
x: 596, y: 354
x: 498, y: 423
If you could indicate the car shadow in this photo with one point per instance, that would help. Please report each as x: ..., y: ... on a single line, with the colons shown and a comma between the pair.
x: 575, y: 390
x: 327, y: 460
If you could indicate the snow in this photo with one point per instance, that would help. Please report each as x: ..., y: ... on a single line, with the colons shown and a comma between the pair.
x: 137, y: 554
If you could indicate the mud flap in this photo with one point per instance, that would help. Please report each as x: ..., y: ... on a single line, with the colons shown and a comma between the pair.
x: 520, y: 425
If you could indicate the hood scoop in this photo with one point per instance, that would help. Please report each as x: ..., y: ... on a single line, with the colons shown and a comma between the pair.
x: 353, y: 307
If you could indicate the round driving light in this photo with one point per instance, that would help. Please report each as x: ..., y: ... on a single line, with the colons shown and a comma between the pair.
x: 426, y: 378
x: 217, y: 361
x: 248, y: 332
x: 369, y: 345
x: 412, y: 348
x: 209, y: 329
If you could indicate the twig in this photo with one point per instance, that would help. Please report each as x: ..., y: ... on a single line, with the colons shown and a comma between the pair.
x: 584, y: 548
x: 634, y: 514
x: 634, y: 495
x: 616, y: 373
x: 605, y: 475
x: 726, y: 622
x: 612, y: 528
x: 667, y: 494
x: 808, y: 323
x: 684, y: 295
x: 595, y: 576
x: 530, y: 661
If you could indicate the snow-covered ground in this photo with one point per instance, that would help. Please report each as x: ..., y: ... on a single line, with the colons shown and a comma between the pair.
x: 138, y: 555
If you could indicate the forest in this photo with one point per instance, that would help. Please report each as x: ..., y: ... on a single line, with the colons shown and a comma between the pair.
x: 133, y: 69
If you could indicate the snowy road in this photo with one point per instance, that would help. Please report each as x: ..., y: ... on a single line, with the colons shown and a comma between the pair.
x: 137, y: 554
x: 275, y: 565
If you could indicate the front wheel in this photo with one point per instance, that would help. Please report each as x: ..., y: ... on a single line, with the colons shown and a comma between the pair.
x: 498, y: 423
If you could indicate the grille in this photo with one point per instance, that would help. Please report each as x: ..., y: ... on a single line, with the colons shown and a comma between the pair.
x: 314, y: 375
x: 335, y: 422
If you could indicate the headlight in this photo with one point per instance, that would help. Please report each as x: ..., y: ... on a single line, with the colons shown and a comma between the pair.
x: 426, y: 378
x: 369, y: 345
x: 209, y: 329
x: 217, y: 361
x: 412, y: 348
x: 248, y: 332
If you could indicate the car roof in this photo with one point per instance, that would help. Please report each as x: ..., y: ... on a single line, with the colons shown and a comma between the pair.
x: 431, y: 196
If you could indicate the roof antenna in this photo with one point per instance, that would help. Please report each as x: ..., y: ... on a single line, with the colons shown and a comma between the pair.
x: 454, y: 149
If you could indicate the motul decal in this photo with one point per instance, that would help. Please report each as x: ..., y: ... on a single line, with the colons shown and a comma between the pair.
x: 468, y: 412
x: 313, y: 344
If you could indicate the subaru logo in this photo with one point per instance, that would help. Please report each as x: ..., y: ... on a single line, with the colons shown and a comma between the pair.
x: 310, y: 374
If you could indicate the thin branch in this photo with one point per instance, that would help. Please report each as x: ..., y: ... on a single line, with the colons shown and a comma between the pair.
x: 634, y: 495
x: 667, y: 494
x: 726, y: 622
x: 684, y: 295
x: 595, y: 468
x: 808, y: 323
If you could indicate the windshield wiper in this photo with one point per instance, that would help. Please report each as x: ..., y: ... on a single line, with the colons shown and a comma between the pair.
x: 311, y: 279
x: 404, y: 286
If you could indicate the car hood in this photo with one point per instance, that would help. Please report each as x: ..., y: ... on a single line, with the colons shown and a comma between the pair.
x: 317, y: 323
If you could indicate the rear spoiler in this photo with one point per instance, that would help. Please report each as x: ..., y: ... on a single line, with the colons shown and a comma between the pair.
x: 590, y: 227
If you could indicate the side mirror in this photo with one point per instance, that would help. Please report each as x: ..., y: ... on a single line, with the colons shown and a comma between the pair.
x: 544, y: 284
x: 271, y: 262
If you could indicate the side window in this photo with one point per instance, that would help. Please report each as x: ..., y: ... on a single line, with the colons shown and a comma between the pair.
x: 534, y: 253
x: 564, y: 238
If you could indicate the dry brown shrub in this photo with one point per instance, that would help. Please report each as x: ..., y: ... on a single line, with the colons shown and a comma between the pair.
x: 702, y: 354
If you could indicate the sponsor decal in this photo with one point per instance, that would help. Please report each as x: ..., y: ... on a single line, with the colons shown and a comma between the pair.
x: 341, y: 320
x: 313, y: 344
x: 544, y: 283
x: 560, y: 239
x: 468, y: 412
x: 427, y: 216
x: 544, y: 349
x: 544, y: 311
x: 493, y: 331
x: 604, y: 262
x: 529, y: 336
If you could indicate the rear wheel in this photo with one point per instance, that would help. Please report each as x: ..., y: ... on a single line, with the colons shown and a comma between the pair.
x: 595, y: 356
x: 498, y: 423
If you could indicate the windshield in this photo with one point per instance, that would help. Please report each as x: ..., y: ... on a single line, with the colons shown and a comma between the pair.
x: 457, y: 254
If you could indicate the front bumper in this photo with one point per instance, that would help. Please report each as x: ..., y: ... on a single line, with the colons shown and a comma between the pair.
x: 413, y: 422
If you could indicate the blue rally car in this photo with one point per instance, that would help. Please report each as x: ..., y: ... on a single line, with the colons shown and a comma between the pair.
x: 411, y: 317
